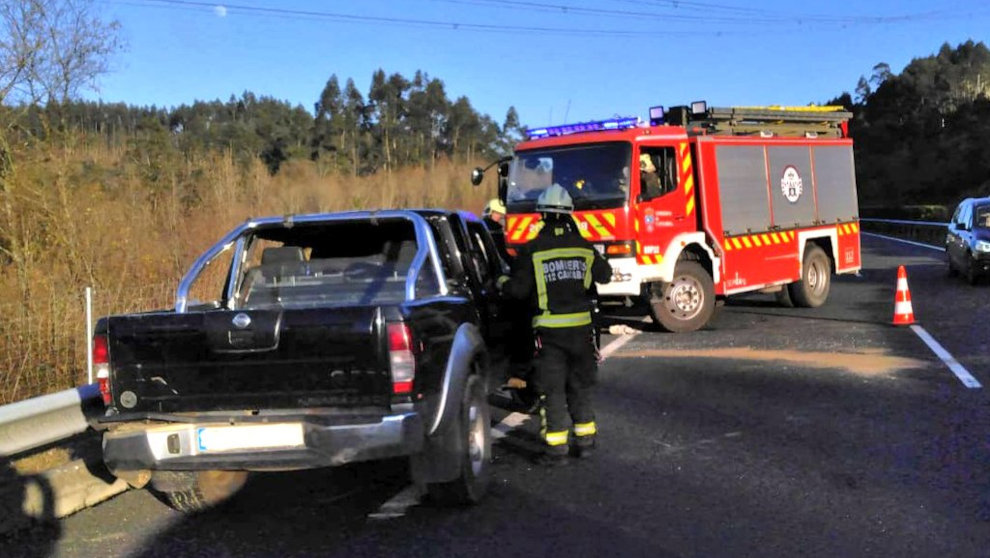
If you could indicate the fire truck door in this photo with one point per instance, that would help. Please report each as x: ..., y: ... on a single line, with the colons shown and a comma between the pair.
x: 662, y: 207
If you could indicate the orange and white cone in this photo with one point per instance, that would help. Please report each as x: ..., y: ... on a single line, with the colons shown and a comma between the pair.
x: 903, y: 313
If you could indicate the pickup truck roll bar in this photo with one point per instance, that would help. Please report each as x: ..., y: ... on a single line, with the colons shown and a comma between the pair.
x: 426, y: 246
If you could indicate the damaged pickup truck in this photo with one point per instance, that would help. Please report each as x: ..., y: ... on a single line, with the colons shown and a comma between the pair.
x: 333, y: 338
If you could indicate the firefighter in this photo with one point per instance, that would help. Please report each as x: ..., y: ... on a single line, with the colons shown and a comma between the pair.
x: 494, y: 219
x: 517, y: 394
x: 555, y: 272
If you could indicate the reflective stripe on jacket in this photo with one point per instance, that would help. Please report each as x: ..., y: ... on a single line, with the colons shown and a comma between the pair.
x: 554, y: 273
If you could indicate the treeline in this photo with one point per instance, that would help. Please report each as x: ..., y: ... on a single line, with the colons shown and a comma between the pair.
x: 921, y: 135
x: 398, y: 122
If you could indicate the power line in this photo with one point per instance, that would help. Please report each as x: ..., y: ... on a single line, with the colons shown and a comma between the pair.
x: 232, y: 9
x: 737, y: 15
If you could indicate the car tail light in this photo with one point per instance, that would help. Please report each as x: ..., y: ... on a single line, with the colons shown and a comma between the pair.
x: 401, y: 359
x: 101, y: 364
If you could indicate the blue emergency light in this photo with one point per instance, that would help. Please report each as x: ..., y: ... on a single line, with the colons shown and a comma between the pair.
x: 621, y: 123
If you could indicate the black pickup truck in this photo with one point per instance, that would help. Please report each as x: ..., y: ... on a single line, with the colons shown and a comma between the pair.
x: 334, y: 338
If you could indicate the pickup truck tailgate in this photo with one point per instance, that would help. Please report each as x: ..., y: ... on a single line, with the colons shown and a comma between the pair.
x: 248, y: 359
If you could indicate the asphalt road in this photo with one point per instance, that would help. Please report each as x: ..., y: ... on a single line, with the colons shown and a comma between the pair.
x: 774, y: 432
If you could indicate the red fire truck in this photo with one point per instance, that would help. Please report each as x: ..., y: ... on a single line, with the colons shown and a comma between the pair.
x: 700, y: 203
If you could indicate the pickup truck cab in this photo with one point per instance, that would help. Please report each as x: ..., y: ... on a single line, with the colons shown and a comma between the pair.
x: 334, y: 338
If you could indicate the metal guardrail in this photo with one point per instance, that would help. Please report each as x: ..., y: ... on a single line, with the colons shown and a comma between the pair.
x: 35, y: 422
x: 905, y: 222
x: 927, y: 232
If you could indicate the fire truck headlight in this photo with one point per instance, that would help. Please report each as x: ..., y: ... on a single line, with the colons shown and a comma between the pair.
x: 982, y: 246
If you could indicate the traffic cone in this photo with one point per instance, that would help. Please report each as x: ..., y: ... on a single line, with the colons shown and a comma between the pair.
x: 903, y: 313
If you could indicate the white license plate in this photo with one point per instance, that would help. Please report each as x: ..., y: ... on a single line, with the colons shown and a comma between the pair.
x: 261, y: 436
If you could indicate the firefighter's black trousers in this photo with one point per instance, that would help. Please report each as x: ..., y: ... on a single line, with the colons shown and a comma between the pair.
x: 566, y: 369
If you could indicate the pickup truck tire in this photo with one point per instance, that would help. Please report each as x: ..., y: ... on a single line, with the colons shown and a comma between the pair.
x: 474, y: 431
x: 685, y: 304
x: 816, y: 277
x: 204, y: 489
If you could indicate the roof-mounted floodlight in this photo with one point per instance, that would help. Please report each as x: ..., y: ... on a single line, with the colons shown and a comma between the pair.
x: 699, y: 107
x: 620, y: 123
x: 656, y: 115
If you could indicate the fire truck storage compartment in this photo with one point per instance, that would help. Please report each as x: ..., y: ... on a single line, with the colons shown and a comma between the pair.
x: 835, y: 181
x: 743, y: 184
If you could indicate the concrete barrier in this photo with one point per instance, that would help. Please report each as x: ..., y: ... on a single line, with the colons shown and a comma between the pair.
x: 51, y: 462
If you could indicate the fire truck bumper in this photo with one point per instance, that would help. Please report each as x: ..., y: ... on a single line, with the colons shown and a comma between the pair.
x: 626, y: 278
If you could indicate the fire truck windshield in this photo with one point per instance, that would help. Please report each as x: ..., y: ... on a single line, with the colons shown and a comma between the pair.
x: 595, y: 175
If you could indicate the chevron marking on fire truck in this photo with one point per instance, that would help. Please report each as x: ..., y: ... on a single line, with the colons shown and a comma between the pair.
x: 593, y: 228
x: 647, y: 259
x: 687, y: 178
x: 758, y: 240
x: 847, y: 228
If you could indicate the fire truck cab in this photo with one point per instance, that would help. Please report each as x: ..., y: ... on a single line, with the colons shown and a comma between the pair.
x: 700, y: 203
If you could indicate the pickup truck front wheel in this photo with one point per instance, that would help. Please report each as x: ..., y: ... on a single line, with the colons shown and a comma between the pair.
x: 190, y: 492
x: 475, y: 441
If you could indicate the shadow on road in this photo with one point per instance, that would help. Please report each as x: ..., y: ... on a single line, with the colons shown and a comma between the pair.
x: 28, y: 528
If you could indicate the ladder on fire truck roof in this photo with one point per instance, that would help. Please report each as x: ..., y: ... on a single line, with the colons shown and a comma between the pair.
x: 809, y: 121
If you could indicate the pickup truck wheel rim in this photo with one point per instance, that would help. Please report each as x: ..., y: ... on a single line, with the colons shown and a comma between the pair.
x: 476, y: 439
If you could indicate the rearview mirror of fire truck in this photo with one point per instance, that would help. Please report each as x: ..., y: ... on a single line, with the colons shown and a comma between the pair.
x: 477, y: 175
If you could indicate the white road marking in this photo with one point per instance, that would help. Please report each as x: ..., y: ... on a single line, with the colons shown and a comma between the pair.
x: 958, y: 369
x: 911, y: 242
x: 397, y: 505
x: 617, y: 344
x: 511, y: 422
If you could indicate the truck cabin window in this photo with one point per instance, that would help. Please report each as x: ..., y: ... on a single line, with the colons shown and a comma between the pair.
x: 348, y: 263
x: 657, y: 172
x: 596, y: 175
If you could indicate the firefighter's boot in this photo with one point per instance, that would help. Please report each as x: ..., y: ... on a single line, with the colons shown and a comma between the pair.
x: 583, y: 447
x: 553, y: 456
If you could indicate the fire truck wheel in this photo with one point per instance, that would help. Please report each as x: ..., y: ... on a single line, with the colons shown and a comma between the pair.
x: 816, y: 277
x: 687, y: 302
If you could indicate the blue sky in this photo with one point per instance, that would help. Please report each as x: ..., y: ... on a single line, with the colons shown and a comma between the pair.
x: 554, y: 60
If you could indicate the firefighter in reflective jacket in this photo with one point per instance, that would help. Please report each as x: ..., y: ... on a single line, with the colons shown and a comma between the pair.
x: 555, y: 272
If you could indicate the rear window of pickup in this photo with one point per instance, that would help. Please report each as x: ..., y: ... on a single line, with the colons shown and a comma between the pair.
x: 347, y: 263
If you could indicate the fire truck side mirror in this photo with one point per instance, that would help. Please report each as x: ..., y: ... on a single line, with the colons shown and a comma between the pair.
x: 477, y: 175
x: 503, y: 179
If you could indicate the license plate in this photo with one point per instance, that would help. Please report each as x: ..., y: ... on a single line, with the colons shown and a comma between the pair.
x: 261, y: 436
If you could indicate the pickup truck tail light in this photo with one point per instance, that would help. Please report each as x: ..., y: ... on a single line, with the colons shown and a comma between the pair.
x: 402, y: 362
x: 101, y: 365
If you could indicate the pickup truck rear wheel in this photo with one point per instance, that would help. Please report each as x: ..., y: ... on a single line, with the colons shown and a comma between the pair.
x: 687, y: 303
x: 195, y: 491
x: 474, y: 431
x: 816, y: 277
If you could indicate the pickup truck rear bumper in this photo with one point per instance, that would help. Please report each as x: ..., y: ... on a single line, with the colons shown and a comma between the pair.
x: 282, y: 445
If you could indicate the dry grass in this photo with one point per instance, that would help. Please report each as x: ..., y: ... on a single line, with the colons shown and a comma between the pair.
x: 128, y: 221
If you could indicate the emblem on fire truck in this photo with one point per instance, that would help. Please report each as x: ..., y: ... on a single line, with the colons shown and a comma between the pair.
x: 790, y: 184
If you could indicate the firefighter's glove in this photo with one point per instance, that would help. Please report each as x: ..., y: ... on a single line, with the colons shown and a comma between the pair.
x: 516, y: 383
